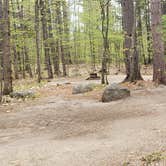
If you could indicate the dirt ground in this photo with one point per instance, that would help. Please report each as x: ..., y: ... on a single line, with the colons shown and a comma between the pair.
x: 61, y: 129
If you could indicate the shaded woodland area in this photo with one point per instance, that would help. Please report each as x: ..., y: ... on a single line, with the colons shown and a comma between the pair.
x: 41, y: 39
x: 82, y: 82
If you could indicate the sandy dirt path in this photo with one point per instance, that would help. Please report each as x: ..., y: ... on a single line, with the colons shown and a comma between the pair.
x: 59, y: 131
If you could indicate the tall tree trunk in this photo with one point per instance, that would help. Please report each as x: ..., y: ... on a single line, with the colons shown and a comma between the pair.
x: 44, y: 19
x: 130, y: 42
x: 128, y: 20
x: 149, y: 33
x: 15, y: 62
x: 27, y: 62
x: 60, y: 31
x: 159, y: 64
x: 105, y: 32
x: 1, y: 71
x: 37, y: 29
x: 140, y: 31
x: 7, y: 71
x: 14, y: 47
x: 91, y: 40
x: 66, y: 32
x: 1, y: 32
x: 54, y: 52
x: 164, y: 26
x: 164, y: 7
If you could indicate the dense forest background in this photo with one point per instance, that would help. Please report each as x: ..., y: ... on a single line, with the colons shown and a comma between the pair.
x: 43, y: 38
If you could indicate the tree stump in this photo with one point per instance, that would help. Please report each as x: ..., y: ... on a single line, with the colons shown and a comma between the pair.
x: 93, y: 76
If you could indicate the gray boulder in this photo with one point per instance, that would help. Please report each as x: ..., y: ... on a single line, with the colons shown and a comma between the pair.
x: 22, y: 94
x: 115, y: 92
x: 82, y: 88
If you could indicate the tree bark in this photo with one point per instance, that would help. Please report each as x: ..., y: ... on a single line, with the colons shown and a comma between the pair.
x: 159, y: 64
x: 130, y: 41
x: 54, y: 52
x: 7, y: 69
x: 37, y: 30
x: 105, y: 32
x: 149, y: 32
x: 66, y: 32
x: 60, y: 31
x: 1, y: 71
x: 46, y: 37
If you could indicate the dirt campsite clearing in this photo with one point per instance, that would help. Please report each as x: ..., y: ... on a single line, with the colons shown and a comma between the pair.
x: 63, y: 129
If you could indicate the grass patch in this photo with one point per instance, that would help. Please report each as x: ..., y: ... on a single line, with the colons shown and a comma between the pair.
x: 99, y: 86
x: 30, y: 84
x: 153, y: 158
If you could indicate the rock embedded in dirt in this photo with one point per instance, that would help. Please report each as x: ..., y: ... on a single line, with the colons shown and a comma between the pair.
x: 22, y: 94
x: 115, y: 92
x: 162, y: 86
x: 82, y: 88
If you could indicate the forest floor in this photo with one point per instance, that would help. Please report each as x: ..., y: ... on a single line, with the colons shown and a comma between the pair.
x: 61, y: 129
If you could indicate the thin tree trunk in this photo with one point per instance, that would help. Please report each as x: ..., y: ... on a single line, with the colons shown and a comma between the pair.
x: 66, y: 32
x: 149, y: 34
x: 91, y: 40
x: 60, y: 31
x: 105, y: 31
x: 54, y: 53
x: 140, y: 31
x: 46, y: 37
x: 15, y: 63
x: 37, y: 29
x: 14, y: 47
x: 27, y: 62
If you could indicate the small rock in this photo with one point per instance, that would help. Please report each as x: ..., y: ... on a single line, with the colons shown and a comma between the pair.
x: 22, y: 94
x: 82, y: 88
x: 162, y: 86
x: 115, y: 92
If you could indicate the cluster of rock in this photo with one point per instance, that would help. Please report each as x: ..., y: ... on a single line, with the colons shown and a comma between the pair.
x: 111, y: 93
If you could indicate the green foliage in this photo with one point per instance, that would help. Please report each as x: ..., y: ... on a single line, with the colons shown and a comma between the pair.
x: 152, y: 158
x: 82, y: 37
